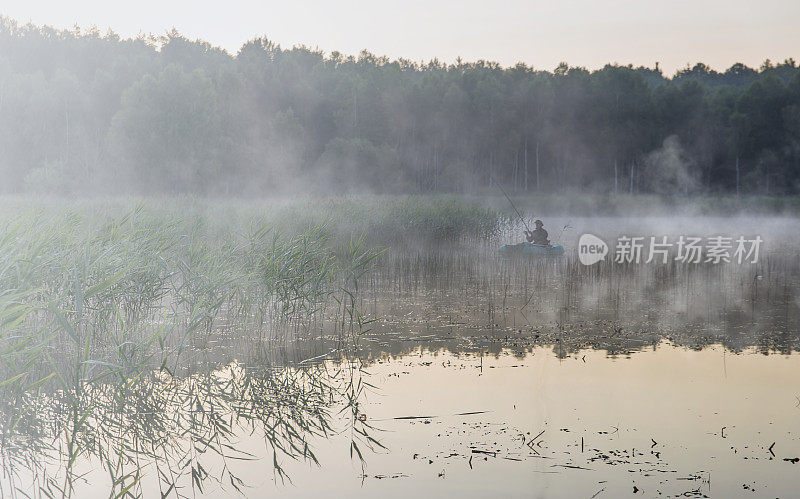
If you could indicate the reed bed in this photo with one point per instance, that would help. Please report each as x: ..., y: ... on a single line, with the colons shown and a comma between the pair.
x: 106, y: 308
x: 620, y: 308
x: 138, y: 339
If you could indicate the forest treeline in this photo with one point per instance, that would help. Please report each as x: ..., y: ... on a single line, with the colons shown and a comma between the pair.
x: 83, y: 111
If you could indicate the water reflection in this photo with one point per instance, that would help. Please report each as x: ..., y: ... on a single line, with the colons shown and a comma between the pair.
x: 667, y: 420
x: 479, y: 375
x: 612, y: 307
x: 155, y: 431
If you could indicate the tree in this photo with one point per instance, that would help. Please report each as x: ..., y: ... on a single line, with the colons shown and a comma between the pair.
x: 166, y: 134
x: 82, y: 110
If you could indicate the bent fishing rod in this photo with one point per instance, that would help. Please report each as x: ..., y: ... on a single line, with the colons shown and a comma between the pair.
x: 510, y: 201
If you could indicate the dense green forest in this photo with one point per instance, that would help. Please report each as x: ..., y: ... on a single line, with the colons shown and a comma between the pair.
x: 84, y: 112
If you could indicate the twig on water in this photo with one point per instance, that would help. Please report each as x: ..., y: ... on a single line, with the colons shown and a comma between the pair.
x: 570, y: 466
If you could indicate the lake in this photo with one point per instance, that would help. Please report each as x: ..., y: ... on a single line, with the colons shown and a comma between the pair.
x: 469, y: 374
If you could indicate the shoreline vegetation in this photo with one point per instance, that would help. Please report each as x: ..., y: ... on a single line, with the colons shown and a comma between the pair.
x: 380, y: 219
x: 107, y: 311
x: 383, y: 218
x: 625, y: 205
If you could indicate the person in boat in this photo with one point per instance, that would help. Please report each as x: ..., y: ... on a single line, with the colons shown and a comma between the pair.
x: 538, y: 235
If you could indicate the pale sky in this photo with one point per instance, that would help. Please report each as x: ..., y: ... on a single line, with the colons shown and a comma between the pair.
x: 540, y: 33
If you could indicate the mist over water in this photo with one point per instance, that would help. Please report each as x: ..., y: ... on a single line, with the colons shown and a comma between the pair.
x: 280, y: 271
x: 90, y: 113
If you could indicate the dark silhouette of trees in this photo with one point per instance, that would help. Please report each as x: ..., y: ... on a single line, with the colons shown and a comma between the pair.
x: 82, y: 111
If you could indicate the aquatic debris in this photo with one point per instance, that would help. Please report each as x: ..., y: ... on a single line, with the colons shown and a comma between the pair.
x: 533, y: 440
x: 570, y: 466
x: 381, y: 477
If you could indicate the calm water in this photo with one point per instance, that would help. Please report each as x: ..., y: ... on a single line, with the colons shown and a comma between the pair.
x: 653, y: 421
x: 481, y: 376
x: 667, y: 420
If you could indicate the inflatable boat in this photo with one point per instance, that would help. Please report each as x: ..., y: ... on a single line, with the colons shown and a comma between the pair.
x: 530, y: 249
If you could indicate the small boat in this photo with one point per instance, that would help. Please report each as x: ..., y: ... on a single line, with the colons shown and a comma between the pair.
x: 530, y: 249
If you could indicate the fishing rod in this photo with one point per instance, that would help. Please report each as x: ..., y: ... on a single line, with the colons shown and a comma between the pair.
x: 510, y: 201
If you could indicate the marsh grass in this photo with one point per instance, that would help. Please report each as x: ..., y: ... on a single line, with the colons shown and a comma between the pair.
x: 471, y: 295
x: 138, y: 340
x: 106, y: 306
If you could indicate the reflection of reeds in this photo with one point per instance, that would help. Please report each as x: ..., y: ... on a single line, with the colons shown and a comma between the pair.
x: 691, y: 303
x: 186, y: 428
x: 103, y: 315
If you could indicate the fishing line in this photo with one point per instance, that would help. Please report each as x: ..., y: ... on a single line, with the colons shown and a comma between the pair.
x: 510, y: 201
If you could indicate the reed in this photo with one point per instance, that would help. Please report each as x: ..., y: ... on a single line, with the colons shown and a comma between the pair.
x: 105, y: 306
